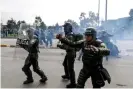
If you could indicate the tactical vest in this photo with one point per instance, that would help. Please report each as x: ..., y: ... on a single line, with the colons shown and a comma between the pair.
x: 88, y: 58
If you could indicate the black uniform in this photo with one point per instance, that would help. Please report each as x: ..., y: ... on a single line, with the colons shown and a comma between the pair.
x: 70, y: 57
x: 92, y: 62
x: 32, y: 59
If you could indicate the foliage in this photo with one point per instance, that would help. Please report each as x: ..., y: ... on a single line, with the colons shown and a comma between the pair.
x: 89, y: 21
x: 74, y: 24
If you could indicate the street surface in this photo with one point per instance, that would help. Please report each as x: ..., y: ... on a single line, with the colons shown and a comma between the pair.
x: 50, y: 61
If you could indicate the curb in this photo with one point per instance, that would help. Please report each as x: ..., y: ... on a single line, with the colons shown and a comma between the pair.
x: 12, y: 46
x: 3, y: 45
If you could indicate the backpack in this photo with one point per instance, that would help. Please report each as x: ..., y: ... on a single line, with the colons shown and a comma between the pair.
x: 78, y: 37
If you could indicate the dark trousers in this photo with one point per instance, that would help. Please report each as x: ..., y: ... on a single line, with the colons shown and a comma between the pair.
x: 96, y: 78
x: 32, y: 59
x: 69, y: 67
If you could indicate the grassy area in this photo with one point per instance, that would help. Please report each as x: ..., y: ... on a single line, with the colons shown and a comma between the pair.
x: 11, y: 36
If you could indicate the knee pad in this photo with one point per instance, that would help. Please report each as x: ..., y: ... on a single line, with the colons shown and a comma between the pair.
x: 24, y: 69
x: 64, y: 64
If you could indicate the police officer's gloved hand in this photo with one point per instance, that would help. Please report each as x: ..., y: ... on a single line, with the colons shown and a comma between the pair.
x: 58, y: 45
x: 58, y: 36
x: 92, y: 49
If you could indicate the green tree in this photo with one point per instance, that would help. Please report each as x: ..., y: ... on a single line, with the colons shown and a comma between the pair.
x: 74, y: 24
x: 43, y: 26
x: 89, y: 21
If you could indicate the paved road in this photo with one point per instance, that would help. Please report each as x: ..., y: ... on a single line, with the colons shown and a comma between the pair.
x: 50, y: 62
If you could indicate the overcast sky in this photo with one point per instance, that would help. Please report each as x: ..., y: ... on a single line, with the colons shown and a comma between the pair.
x: 53, y: 11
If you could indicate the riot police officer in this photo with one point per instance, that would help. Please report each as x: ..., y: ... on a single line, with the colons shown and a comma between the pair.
x: 32, y: 59
x: 70, y: 56
x: 93, y: 52
x: 105, y: 37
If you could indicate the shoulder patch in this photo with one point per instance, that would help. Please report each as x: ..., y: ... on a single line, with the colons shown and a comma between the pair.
x: 99, y: 41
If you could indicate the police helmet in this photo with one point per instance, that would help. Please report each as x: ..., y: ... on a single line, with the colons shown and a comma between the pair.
x: 67, y: 24
x: 91, y: 32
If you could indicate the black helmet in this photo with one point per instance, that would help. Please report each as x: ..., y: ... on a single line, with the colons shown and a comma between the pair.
x: 67, y: 27
x: 91, y: 32
x: 67, y: 24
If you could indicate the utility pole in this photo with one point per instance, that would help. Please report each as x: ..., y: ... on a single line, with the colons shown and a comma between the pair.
x: 106, y: 10
x: 98, y: 12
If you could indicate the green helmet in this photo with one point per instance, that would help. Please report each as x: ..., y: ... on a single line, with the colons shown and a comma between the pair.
x: 91, y: 32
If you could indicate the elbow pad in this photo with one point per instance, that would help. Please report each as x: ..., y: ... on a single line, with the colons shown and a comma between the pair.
x: 104, y: 51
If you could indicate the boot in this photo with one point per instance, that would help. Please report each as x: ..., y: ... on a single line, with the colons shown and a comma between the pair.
x: 65, y: 77
x: 71, y: 85
x: 43, y: 80
x: 28, y: 81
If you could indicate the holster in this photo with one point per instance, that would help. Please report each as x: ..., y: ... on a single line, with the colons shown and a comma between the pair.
x: 98, y: 77
x: 106, y: 75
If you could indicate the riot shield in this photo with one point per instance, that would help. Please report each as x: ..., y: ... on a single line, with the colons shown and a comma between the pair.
x: 19, y: 51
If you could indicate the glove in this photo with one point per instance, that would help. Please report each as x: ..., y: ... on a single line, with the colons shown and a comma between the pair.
x: 92, y: 49
x: 58, y: 45
x: 58, y: 36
